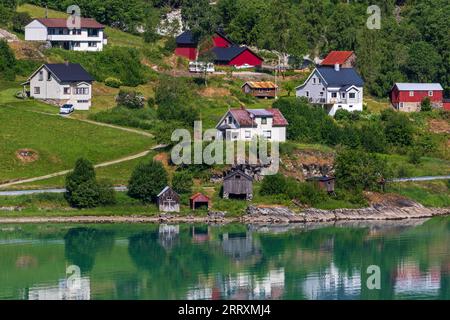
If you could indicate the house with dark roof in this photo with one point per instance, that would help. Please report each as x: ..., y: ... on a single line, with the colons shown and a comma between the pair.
x: 260, y: 89
x: 345, y: 59
x: 226, y: 52
x: 87, y: 35
x: 238, y: 184
x: 245, y: 124
x: 408, y: 97
x: 333, y: 89
x: 61, y: 83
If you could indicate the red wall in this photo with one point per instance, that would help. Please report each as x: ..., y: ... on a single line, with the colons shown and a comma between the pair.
x: 246, y: 57
x: 403, y: 96
x: 220, y: 42
x: 447, y: 106
x: 189, y: 53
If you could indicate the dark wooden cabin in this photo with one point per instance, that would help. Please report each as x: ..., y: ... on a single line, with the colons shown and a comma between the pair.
x: 168, y: 200
x: 260, y: 89
x: 324, y: 183
x: 199, y: 200
x: 238, y: 184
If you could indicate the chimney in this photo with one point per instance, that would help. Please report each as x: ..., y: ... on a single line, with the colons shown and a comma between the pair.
x: 337, y: 67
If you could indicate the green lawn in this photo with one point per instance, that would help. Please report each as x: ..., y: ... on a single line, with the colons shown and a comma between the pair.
x: 428, y: 166
x: 430, y: 194
x: 58, y: 142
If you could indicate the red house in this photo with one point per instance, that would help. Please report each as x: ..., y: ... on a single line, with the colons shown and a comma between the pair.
x: 199, y: 200
x: 187, y: 46
x: 446, y: 104
x: 345, y: 59
x: 407, y: 97
x: 226, y: 51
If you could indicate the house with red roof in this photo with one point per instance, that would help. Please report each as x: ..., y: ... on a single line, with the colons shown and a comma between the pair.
x: 226, y: 52
x: 244, y: 124
x: 345, y: 59
x: 407, y: 97
x: 87, y: 35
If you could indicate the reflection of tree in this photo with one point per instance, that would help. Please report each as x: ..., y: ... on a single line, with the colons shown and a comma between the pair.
x: 83, y: 244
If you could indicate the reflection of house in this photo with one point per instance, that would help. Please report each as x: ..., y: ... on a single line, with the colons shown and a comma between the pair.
x: 168, y: 234
x: 410, y: 280
x: 200, y: 234
x: 63, y: 83
x: 239, y: 246
x: 88, y: 37
x: 62, y: 291
x: 239, y: 184
x: 168, y: 200
x: 260, y: 89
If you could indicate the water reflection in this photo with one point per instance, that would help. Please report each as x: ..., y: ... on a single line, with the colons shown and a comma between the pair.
x: 227, y: 262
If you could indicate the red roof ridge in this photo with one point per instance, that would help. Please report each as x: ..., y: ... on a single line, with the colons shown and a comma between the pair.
x: 336, y: 57
x: 62, y: 23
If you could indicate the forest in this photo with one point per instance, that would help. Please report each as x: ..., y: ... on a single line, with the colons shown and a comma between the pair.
x: 411, y: 45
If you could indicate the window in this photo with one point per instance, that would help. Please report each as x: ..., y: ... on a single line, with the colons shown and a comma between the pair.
x: 267, y: 134
x: 352, y: 95
x: 81, y: 91
x: 343, y: 94
x: 263, y: 120
x: 92, y: 44
x: 76, y: 44
x: 41, y: 75
x: 319, y: 80
x: 307, y: 93
x: 248, y: 134
x: 76, y: 32
x: 82, y: 101
x: 92, y: 32
x: 66, y: 90
x: 37, y: 90
x: 49, y: 76
x: 334, y: 94
x: 230, y: 120
x: 350, y: 106
x: 314, y: 80
x: 51, y: 31
x: 237, y: 177
x: 339, y: 106
x: 411, y: 93
x: 430, y: 93
x: 321, y: 94
x: 60, y: 31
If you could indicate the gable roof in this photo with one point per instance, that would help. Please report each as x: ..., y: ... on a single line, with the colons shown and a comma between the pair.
x: 166, y: 189
x: 70, y: 72
x: 341, y: 78
x: 187, y: 38
x: 62, y: 23
x: 199, y: 197
x: 229, y: 53
x: 261, y: 85
x: 418, y: 86
x: 244, y: 119
x: 235, y: 172
x: 278, y: 119
x: 336, y: 57
x: 222, y: 34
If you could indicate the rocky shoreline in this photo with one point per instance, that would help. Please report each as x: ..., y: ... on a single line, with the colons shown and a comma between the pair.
x: 259, y: 215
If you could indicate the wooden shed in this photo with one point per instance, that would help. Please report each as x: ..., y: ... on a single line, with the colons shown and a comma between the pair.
x: 324, y: 182
x: 238, y: 184
x: 168, y: 200
x: 260, y: 89
x: 199, y: 200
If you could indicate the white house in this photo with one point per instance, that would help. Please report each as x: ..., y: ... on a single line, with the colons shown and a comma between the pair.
x: 89, y: 36
x: 62, y: 83
x: 333, y: 89
x: 244, y: 124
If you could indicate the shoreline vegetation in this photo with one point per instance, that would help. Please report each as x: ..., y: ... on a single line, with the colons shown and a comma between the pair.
x: 253, y: 215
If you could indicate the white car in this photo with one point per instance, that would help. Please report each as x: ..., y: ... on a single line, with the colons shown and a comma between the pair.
x: 199, y: 67
x: 66, y: 109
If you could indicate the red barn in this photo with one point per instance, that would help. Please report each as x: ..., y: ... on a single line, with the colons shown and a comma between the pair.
x: 237, y: 56
x: 446, y: 104
x: 187, y: 46
x: 345, y: 59
x: 220, y: 40
x: 407, y: 97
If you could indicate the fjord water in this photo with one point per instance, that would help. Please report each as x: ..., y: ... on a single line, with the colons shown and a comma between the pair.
x: 226, y: 262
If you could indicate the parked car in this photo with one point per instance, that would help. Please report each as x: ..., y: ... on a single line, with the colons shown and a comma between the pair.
x: 199, y: 67
x: 66, y: 109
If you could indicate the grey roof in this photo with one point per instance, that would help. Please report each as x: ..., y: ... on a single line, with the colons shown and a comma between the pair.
x: 341, y: 78
x: 70, y: 72
x: 187, y: 38
x: 163, y: 191
x: 419, y: 86
x: 235, y: 172
x: 228, y: 54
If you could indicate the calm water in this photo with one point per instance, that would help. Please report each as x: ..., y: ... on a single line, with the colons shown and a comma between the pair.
x: 226, y: 262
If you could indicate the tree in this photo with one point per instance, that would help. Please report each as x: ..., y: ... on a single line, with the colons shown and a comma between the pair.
x: 356, y: 169
x: 200, y: 17
x: 182, y: 182
x: 425, y: 105
x: 7, y: 61
x: 130, y: 99
x: 373, y: 138
x: 20, y: 20
x: 289, y: 86
x: 152, y: 21
x: 147, y: 181
x: 398, y: 129
x: 424, y: 62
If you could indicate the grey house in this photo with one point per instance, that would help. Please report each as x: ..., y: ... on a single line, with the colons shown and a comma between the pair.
x: 168, y: 200
x: 333, y: 89
x: 238, y: 184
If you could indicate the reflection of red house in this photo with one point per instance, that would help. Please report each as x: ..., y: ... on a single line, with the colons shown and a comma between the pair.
x: 225, y: 50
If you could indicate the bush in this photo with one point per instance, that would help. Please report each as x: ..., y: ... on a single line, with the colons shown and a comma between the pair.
x: 398, y: 129
x: 170, y: 44
x: 113, y: 82
x: 20, y: 20
x: 147, y: 181
x: 425, y: 105
x: 373, y: 138
x: 343, y: 114
x: 82, y: 189
x: 414, y: 156
x: 130, y: 99
x: 182, y: 182
x: 311, y: 194
x: 7, y: 62
x: 273, y: 185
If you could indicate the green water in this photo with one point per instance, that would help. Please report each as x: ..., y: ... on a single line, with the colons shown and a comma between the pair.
x: 227, y: 262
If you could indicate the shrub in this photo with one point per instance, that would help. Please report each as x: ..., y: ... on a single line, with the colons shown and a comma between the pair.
x: 311, y: 194
x: 130, y: 99
x: 20, y: 20
x: 113, y: 82
x: 273, y: 185
x: 425, y: 105
x: 151, y: 102
x: 414, y: 156
x: 182, y: 182
x: 398, y: 129
x: 107, y: 195
x: 86, y: 195
x: 7, y: 62
x: 373, y: 138
x: 147, y: 181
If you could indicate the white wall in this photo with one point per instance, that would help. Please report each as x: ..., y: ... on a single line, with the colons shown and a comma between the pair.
x: 35, y: 31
